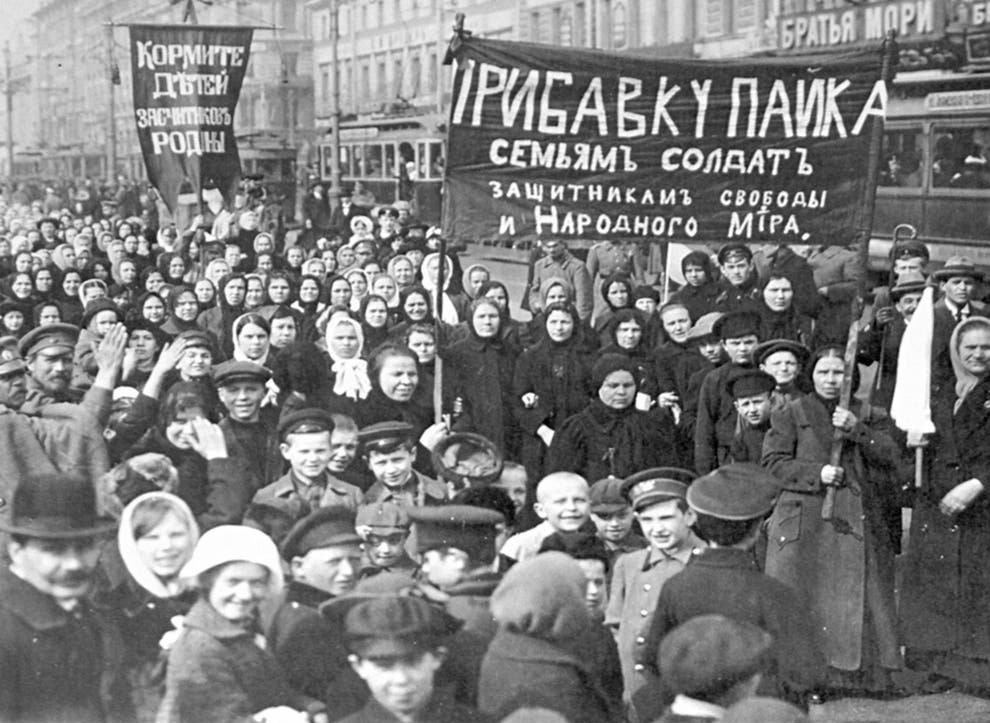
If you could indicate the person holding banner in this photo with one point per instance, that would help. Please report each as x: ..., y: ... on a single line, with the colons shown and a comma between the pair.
x: 945, y: 606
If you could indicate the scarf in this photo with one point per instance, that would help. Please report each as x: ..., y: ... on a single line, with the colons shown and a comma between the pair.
x: 966, y: 381
x: 350, y: 375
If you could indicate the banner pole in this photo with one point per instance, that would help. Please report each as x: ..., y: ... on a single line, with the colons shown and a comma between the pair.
x: 864, y: 233
x: 437, y: 325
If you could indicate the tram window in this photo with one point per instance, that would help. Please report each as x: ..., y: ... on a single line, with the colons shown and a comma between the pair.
x: 961, y: 158
x: 345, y: 160
x: 436, y: 160
x: 901, y: 159
x: 373, y: 161
x: 420, y: 160
x: 407, y: 158
x: 391, y: 168
x: 357, y: 161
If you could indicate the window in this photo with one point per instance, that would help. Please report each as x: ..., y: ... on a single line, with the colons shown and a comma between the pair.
x: 744, y: 16
x: 620, y: 36
x: 436, y: 159
x: 380, y: 86
x: 288, y: 17
x: 397, y: 77
x: 961, y: 157
x: 431, y: 73
x: 415, y: 74
x: 366, y: 76
x: 714, y: 19
x: 373, y: 166
x: 290, y: 64
x: 902, y: 159
x: 565, y: 28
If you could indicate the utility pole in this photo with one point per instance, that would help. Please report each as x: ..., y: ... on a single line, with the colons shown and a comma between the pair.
x: 335, y: 191
x: 113, y: 74
x: 9, y: 93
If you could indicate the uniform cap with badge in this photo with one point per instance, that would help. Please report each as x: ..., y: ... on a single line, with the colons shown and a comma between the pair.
x: 657, y: 484
x: 50, y: 336
x: 385, y: 436
x: 304, y: 421
x: 381, y: 519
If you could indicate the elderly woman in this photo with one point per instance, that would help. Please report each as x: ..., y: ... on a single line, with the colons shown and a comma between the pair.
x: 610, y: 436
x: 843, y: 568
x: 945, y: 606
x: 218, y: 668
x: 155, y: 539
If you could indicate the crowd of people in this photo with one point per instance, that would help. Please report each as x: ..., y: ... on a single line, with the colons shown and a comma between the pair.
x: 330, y: 475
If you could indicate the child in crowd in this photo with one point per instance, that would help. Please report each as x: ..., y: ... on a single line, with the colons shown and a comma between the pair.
x: 98, y: 319
x: 562, y: 502
x: 390, y: 450
x: 384, y: 528
x: 613, y: 518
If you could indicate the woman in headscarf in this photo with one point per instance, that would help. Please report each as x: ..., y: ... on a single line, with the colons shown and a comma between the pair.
x: 551, y: 383
x: 152, y: 279
x: 474, y: 276
x: 156, y: 537
x: 395, y: 397
x: 338, y: 292
x: 216, y: 270
x: 294, y: 257
x: 45, y: 280
x: 401, y: 269
x: 945, y: 604
x: 842, y: 567
x: 511, y: 330
x: 151, y: 307
x: 15, y: 319
x: 415, y: 308
x: 310, y: 305
x: 173, y: 267
x: 610, y: 436
x: 206, y: 294
x: 67, y: 296
x: 441, y: 299
x: 346, y: 259
x: 251, y: 334
x: 628, y: 329
x: 64, y: 257
x: 219, y: 319
x: 373, y: 313
x: 482, y: 366
x: 219, y: 668
x: 183, y: 309
x: 617, y: 291
x: 539, y: 656
x: 254, y: 293
x: 19, y: 288
x: 344, y: 339
x: 778, y: 317
x: 700, y: 291
x: 385, y: 286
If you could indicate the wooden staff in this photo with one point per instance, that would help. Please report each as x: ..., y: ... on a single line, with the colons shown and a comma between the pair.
x: 438, y: 312
x: 864, y: 233
x: 891, y: 280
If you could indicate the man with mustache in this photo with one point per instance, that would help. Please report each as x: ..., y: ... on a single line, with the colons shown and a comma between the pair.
x: 61, y: 659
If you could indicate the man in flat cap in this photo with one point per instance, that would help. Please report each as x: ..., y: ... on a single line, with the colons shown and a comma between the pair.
x: 323, y: 552
x: 384, y: 528
x: 403, y: 638
x: 390, y: 451
x: 739, y: 287
x: 710, y: 663
x: 61, y: 658
x: 714, y: 412
x: 249, y: 431
x: 750, y: 390
x: 305, y: 443
x: 729, y: 506
x: 657, y: 497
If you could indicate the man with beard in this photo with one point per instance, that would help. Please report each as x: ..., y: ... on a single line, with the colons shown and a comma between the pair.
x: 61, y: 658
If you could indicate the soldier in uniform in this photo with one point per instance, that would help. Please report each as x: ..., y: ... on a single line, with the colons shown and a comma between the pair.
x: 739, y: 286
x: 384, y: 530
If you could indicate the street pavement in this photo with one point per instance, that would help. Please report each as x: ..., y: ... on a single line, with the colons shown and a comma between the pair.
x: 508, y: 266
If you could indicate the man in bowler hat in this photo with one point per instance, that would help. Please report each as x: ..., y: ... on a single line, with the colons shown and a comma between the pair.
x: 61, y: 658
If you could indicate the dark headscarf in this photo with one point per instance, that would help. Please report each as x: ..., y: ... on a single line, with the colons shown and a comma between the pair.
x: 405, y: 294
x: 607, y: 284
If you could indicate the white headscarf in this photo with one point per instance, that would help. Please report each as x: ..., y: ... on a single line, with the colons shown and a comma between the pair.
x: 965, y: 381
x: 127, y: 543
x: 350, y: 375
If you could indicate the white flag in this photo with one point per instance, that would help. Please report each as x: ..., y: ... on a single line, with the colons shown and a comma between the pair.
x: 911, y: 407
x: 675, y: 254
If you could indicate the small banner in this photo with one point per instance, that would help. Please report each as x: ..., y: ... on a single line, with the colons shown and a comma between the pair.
x: 187, y: 79
x: 546, y: 141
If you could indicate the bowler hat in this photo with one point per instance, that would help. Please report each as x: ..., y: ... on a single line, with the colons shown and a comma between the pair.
x: 55, y: 506
x: 956, y: 266
x: 466, y: 459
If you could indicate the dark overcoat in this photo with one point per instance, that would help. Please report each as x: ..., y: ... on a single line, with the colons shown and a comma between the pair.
x: 843, y: 572
x: 483, y: 379
x: 946, y: 601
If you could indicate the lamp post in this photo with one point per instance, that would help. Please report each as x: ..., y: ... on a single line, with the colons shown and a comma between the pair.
x: 9, y: 102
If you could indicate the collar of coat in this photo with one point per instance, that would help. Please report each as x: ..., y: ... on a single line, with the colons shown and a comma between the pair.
x: 38, y: 610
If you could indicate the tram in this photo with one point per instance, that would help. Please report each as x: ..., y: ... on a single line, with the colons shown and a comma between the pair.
x: 393, y: 158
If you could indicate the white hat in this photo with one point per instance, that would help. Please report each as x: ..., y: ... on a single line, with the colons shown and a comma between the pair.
x: 361, y: 223
x: 235, y: 543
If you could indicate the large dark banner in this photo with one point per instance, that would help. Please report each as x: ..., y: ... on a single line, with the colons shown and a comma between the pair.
x: 555, y: 142
x: 186, y: 83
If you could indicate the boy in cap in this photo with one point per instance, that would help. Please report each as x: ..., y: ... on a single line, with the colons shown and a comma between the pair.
x: 323, y: 553
x: 249, y: 432
x: 390, y: 451
x: 657, y: 497
x: 715, y: 416
x: 384, y: 530
x: 750, y: 390
x: 708, y: 664
x: 305, y: 444
x: 613, y: 518
x: 397, y: 645
x: 729, y: 506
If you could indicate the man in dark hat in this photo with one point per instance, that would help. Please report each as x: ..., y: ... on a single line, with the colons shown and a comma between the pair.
x: 61, y: 658
x: 305, y: 443
x: 249, y: 432
x: 390, y: 451
x: 739, y: 286
x: 957, y: 282
x: 729, y: 506
x: 715, y: 413
x: 750, y: 390
x: 657, y: 497
x: 404, y: 638
x: 455, y: 545
x: 708, y: 664
x: 323, y: 552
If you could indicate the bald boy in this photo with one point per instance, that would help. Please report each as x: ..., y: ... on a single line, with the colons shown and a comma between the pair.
x: 563, y: 504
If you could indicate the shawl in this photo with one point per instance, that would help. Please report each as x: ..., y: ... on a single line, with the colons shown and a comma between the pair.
x: 350, y: 375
